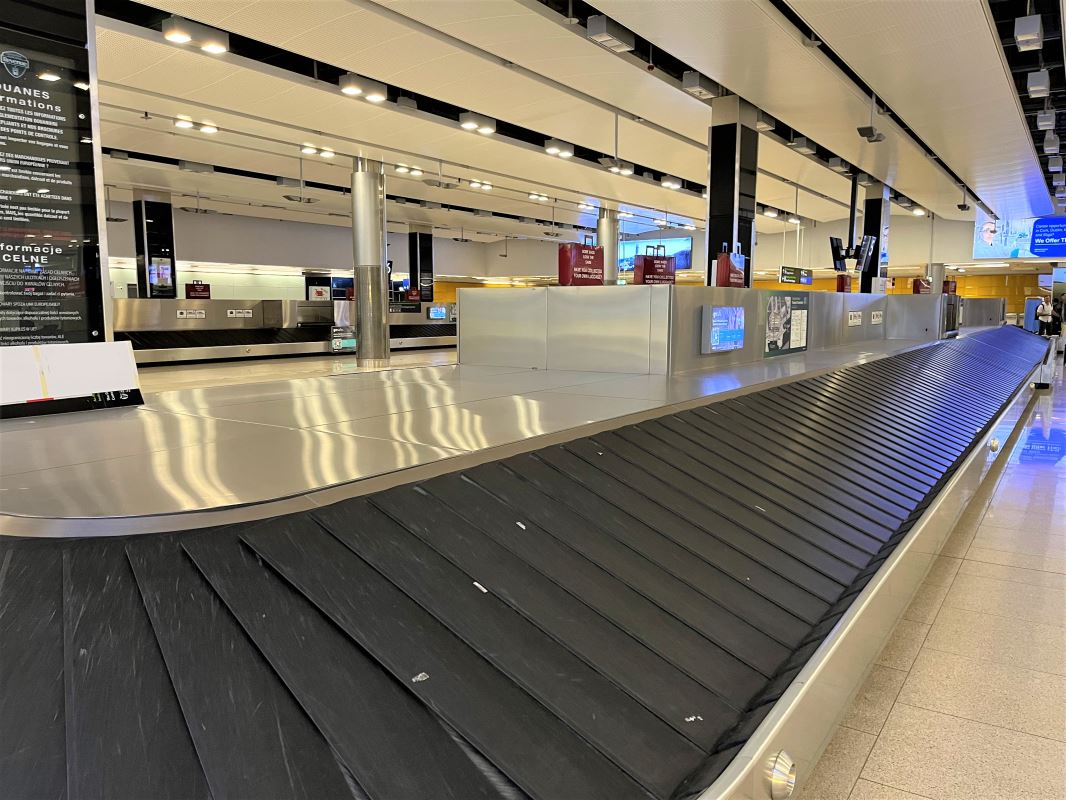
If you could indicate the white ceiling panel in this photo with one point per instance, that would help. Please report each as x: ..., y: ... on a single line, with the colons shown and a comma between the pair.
x: 940, y: 67
x: 758, y: 54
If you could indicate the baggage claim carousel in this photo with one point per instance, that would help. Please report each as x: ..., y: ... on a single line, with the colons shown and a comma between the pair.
x: 619, y: 616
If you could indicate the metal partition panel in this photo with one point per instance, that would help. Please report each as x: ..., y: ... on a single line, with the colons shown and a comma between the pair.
x: 686, y: 325
x: 603, y: 328
x: 504, y: 327
x: 826, y: 320
x: 867, y: 305
x: 912, y: 316
x: 979, y: 312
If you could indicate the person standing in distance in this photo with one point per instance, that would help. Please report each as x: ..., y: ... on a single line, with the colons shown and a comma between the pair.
x: 1044, y: 314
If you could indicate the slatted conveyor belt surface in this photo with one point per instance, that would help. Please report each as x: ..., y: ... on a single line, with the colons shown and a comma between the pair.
x: 610, y: 617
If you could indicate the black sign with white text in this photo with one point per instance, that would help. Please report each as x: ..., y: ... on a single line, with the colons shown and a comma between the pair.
x: 50, y: 288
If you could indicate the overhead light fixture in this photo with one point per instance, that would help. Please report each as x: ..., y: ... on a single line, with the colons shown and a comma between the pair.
x: 475, y: 184
x: 471, y: 121
x: 1054, y: 164
x: 416, y: 172
x: 1038, y: 84
x: 1060, y: 193
x: 208, y: 128
x: 837, y: 164
x: 670, y: 182
x: 540, y: 198
x: 863, y: 179
x: 350, y: 84
x: 1029, y: 33
x: 195, y: 166
x: 215, y: 42
x: 375, y: 92
x: 1051, y: 143
x: 309, y: 150
x: 918, y: 211
x: 801, y: 144
x: 764, y: 122
x: 403, y: 169
x: 585, y: 206
x: 625, y: 214
x: 607, y: 33
x: 557, y: 147
x: 794, y: 219
x: 177, y: 30
x: 1045, y: 120
x: 183, y: 122
x: 49, y: 75
x: 486, y: 187
x: 699, y: 86
x: 83, y: 85
x: 1056, y: 180
x: 327, y: 154
x: 771, y: 212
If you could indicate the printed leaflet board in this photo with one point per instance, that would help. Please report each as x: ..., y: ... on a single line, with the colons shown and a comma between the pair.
x: 786, y: 323
x: 854, y: 319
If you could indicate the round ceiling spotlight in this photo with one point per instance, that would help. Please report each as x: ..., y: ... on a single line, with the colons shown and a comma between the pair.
x: 309, y: 150
x: 351, y: 84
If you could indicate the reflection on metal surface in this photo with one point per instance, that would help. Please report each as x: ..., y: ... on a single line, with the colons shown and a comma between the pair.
x: 782, y: 776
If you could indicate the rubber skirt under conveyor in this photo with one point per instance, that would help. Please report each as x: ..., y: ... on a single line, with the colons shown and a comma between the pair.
x: 607, y: 618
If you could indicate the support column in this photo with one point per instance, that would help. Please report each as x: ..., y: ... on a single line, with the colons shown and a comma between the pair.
x: 875, y: 223
x: 420, y: 260
x: 368, y: 248
x: 607, y: 238
x: 733, y: 152
x: 936, y: 277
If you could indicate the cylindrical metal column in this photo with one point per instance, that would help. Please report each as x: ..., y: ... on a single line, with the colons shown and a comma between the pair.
x: 607, y: 238
x: 368, y: 248
x: 936, y: 277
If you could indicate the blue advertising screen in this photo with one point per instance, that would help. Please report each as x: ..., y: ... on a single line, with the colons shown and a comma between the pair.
x: 680, y: 249
x: 727, y: 328
x: 1031, y: 237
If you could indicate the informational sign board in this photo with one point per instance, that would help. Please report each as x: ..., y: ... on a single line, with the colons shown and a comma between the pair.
x: 921, y: 286
x: 844, y: 283
x: 580, y: 265
x: 722, y: 329
x: 53, y: 378
x: 797, y: 276
x: 877, y: 317
x: 318, y: 293
x: 405, y: 308
x: 198, y: 290
x: 730, y: 269
x: 50, y: 288
x: 342, y: 339
x: 854, y: 319
x: 786, y: 323
x: 437, y: 313
x: 649, y: 270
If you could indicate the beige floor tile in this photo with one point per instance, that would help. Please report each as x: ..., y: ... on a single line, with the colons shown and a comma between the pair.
x: 943, y: 571
x: 926, y: 603
x: 869, y: 709
x: 868, y: 790
x: 1023, y: 560
x: 1000, y: 640
x: 936, y: 755
x: 1006, y: 696
x: 840, y: 765
x: 1007, y: 517
x: 1002, y: 572
x: 1035, y: 542
x: 903, y: 645
x: 1008, y: 599
x: 959, y: 540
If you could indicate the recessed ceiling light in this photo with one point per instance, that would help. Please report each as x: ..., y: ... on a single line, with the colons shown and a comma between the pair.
x: 486, y: 187
x: 625, y: 213
x: 351, y: 84
x: 918, y: 211
x: 585, y: 206
x: 670, y: 182
x: 403, y: 169
x: 557, y: 147
x: 216, y: 43
x: 471, y: 121
x: 475, y: 184
x: 771, y: 213
x: 183, y: 122
x: 176, y: 30
x: 208, y: 128
x: 794, y: 219
x: 327, y: 154
x: 416, y: 172
x: 309, y: 150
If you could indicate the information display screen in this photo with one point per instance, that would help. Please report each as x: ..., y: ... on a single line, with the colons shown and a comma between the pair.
x: 437, y: 312
x: 1029, y: 237
x: 786, y: 323
x: 49, y: 252
x: 727, y: 328
x: 680, y: 249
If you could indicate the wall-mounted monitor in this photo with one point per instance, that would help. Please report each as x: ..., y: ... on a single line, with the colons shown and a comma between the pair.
x: 1026, y: 237
x: 679, y: 248
x: 722, y: 329
x: 342, y: 288
x: 437, y: 312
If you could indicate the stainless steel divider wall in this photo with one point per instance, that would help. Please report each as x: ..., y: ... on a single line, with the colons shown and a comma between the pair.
x: 612, y: 617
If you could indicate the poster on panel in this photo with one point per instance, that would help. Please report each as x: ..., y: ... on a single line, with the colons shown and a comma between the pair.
x: 786, y: 323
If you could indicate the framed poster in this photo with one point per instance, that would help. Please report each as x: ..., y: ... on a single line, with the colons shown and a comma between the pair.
x: 786, y: 323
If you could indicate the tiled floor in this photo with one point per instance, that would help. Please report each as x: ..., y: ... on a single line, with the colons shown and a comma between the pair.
x: 968, y: 699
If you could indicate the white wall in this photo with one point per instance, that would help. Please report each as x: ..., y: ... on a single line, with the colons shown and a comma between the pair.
x: 908, y: 243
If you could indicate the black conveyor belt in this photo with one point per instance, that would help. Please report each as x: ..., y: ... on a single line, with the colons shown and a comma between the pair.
x: 607, y: 618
